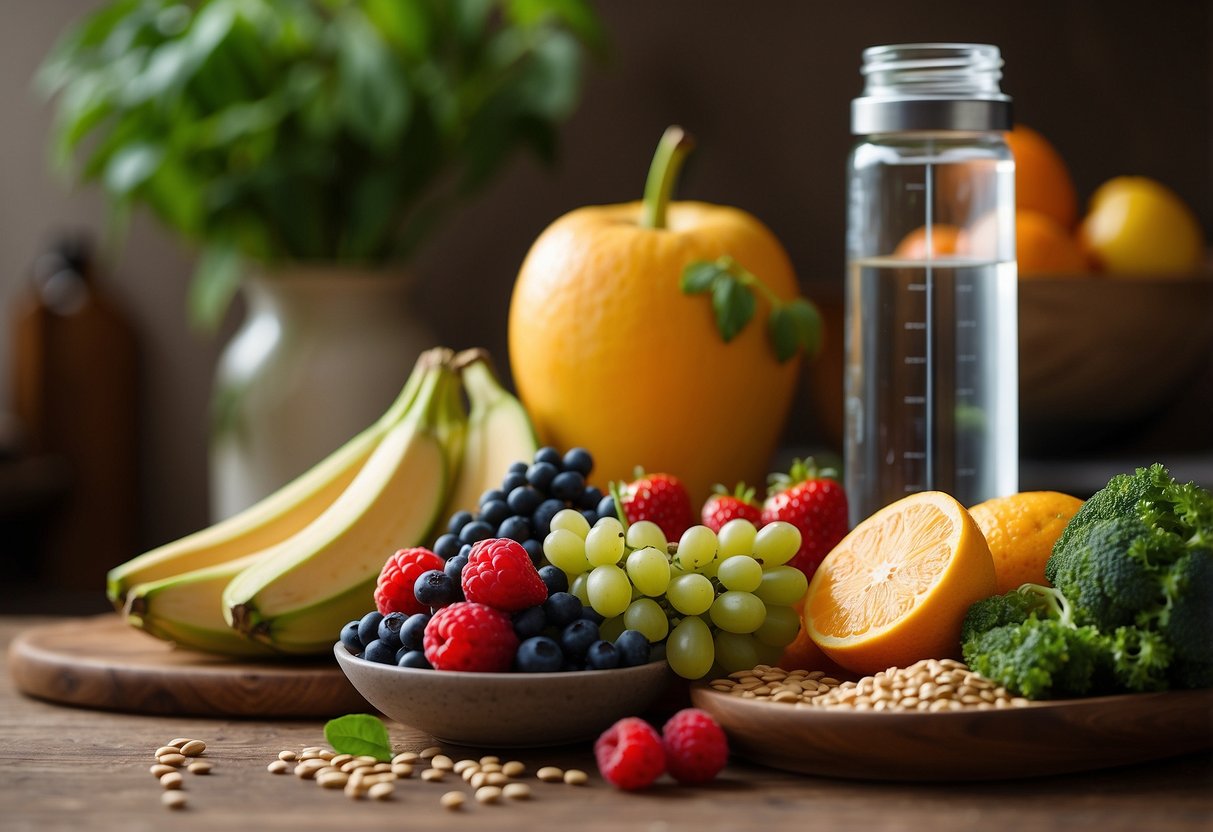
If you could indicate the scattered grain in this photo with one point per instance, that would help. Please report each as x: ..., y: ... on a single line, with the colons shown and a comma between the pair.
x: 550, y: 774
x: 173, y: 800
x: 199, y: 767
x: 513, y: 768
x: 433, y: 775
x: 380, y: 791
x: 452, y: 800
x: 488, y: 794
x: 516, y: 791
x: 193, y: 748
x: 576, y: 777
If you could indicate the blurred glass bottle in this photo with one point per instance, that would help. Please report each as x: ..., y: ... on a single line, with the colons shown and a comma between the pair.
x: 75, y: 392
x: 931, y: 370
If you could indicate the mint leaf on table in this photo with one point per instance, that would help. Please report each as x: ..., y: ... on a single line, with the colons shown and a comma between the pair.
x: 359, y: 734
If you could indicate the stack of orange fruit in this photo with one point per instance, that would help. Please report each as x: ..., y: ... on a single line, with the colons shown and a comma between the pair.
x: 1134, y: 225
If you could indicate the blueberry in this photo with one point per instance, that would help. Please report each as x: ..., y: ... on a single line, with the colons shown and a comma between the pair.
x: 606, y: 506
x: 579, y: 460
x: 380, y: 651
x: 576, y: 638
x: 541, y: 475
x: 476, y: 531
x: 515, y: 528
x: 590, y: 515
x: 513, y: 481
x: 590, y: 614
x: 518, y: 467
x: 571, y: 666
x: 568, y: 486
x: 633, y: 648
x: 434, y: 588
x: 524, y: 500
x: 549, y: 455
x: 349, y: 636
x: 529, y: 622
x: 458, y: 520
x: 541, y: 520
x: 590, y: 498
x: 412, y: 633
x: 413, y: 658
x: 368, y: 627
x: 490, y: 495
x: 538, y: 655
x: 454, y: 567
x: 554, y: 579
x: 602, y: 655
x: 534, y: 548
x: 447, y: 546
x: 494, y: 512
x: 465, y: 551
x: 562, y: 608
x: 389, y: 628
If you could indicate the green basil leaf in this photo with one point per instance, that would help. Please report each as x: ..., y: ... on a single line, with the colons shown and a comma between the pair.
x: 734, y: 306
x: 699, y: 276
x: 359, y: 734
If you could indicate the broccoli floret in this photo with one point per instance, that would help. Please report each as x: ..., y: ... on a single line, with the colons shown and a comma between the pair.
x: 1119, y: 498
x: 1106, y: 584
x: 1038, y: 658
x: 1185, y: 617
x: 1140, y: 659
x: 997, y: 610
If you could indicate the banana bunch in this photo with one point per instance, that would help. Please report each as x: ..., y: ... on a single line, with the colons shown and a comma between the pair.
x: 283, y: 575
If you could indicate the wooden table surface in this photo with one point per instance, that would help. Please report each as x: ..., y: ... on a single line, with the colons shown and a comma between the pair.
x: 65, y: 768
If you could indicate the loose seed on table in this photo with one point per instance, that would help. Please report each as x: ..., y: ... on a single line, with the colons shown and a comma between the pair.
x: 199, y: 767
x: 172, y: 780
x: 178, y: 742
x: 489, y: 760
x: 332, y: 780
x: 468, y: 773
x: 496, y: 778
x: 487, y: 794
x: 381, y: 767
x: 488, y: 767
x: 166, y: 749
x: 479, y: 779
x: 433, y: 775
x: 278, y: 767
x: 380, y: 791
x: 406, y: 757
x: 312, y: 749
x: 288, y: 756
x: 429, y: 753
x: 513, y: 768
x: 460, y: 765
x: 340, y: 759
x: 173, y: 799
x: 159, y: 770
x: 402, y: 770
x: 193, y: 748
x: 516, y: 791
x: 171, y: 759
x: 441, y: 761
x: 576, y: 777
x: 452, y: 800
x: 550, y: 774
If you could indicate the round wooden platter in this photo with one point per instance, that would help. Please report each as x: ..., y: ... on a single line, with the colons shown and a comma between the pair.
x: 1040, y: 739
x: 103, y: 663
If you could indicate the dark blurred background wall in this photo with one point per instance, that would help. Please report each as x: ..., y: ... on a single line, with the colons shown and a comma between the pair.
x: 1120, y: 88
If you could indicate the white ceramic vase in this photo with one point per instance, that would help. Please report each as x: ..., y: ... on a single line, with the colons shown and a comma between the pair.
x: 321, y: 354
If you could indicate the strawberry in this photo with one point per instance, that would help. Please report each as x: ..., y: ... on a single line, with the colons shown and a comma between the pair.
x: 661, y: 498
x: 723, y: 506
x: 813, y: 501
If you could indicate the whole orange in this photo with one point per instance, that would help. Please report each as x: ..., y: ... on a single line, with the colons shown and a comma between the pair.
x: 1042, y: 180
x: 1042, y: 246
x: 1021, y: 530
x: 607, y: 352
x: 945, y: 240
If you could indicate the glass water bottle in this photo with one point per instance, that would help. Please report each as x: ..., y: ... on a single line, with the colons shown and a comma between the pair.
x: 931, y: 349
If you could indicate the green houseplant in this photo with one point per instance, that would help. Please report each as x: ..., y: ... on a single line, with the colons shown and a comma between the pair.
x: 322, y: 138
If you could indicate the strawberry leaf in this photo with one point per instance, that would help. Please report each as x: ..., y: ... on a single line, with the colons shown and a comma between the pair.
x: 734, y: 306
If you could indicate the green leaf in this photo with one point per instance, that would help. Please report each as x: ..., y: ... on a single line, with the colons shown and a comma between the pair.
x: 794, y: 326
x: 131, y: 166
x: 373, y: 92
x: 733, y: 305
x: 216, y: 279
x: 359, y: 734
x: 699, y: 277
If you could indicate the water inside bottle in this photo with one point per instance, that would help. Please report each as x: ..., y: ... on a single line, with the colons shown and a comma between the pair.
x: 932, y: 380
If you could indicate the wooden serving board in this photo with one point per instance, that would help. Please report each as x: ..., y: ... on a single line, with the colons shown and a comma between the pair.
x: 1041, y: 739
x: 101, y: 662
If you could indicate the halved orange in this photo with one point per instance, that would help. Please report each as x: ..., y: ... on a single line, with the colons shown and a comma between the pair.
x: 896, y: 589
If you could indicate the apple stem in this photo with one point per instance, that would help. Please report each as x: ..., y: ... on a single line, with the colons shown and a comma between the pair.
x: 667, y: 162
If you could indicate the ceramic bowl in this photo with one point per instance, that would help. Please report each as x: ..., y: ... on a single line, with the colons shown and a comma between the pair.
x: 506, y: 710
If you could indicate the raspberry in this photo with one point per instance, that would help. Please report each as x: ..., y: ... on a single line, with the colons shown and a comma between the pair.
x: 499, y: 573
x: 394, y: 589
x: 696, y: 748
x: 467, y: 636
x: 629, y: 754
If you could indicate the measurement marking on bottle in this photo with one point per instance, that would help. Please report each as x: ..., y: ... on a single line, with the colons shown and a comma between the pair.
x: 966, y: 472
x: 915, y: 325
x: 913, y: 455
x: 966, y: 324
x: 964, y: 391
x: 917, y: 287
x: 915, y: 359
x: 915, y: 186
x: 914, y: 399
x: 913, y: 488
x: 967, y: 358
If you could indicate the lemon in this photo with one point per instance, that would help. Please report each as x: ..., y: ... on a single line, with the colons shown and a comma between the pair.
x: 1137, y: 225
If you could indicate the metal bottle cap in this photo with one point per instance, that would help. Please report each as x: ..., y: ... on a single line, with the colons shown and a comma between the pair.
x: 931, y: 86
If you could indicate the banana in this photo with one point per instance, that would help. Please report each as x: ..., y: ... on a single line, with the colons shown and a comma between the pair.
x: 188, y: 609
x: 274, y: 518
x: 499, y: 432
x: 296, y: 596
